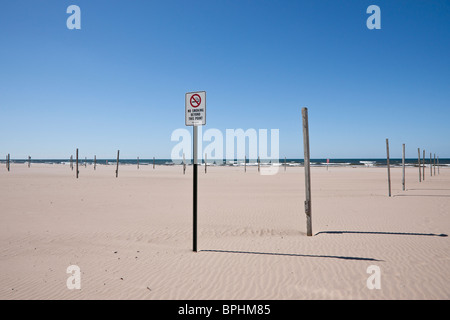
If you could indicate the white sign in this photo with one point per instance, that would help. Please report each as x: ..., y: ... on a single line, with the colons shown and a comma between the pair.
x: 195, y: 108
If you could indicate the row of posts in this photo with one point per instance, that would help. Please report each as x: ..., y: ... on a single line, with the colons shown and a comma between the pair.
x: 434, y: 162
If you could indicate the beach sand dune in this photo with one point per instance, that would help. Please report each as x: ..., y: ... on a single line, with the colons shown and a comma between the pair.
x: 131, y: 236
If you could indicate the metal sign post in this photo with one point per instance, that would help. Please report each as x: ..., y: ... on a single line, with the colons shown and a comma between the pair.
x: 195, y: 115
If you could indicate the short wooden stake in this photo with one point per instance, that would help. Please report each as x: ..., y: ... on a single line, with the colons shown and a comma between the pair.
x: 438, y: 163
x: 258, y: 163
x: 431, y: 169
x: 138, y: 163
x: 285, y: 164
x: 206, y: 162
x: 29, y: 161
x: 8, y: 162
x: 71, y: 162
x: 117, y: 164
x: 434, y: 164
x: 403, y: 168
x: 423, y: 166
x: 245, y: 163
x: 184, y: 164
x: 77, y: 165
x: 95, y: 162
x: 85, y: 162
x: 420, y: 171
x: 388, y: 166
x: 308, y: 207
x: 153, y: 162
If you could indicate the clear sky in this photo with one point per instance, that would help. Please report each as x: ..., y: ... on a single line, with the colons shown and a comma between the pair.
x: 120, y: 81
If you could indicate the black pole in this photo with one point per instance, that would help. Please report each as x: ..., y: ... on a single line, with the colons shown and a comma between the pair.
x: 195, y: 208
x: 195, y: 191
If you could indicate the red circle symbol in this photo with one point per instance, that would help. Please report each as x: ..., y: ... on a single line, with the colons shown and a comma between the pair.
x: 195, y: 100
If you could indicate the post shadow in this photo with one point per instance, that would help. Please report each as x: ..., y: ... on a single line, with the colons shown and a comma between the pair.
x: 295, y: 255
x: 385, y: 233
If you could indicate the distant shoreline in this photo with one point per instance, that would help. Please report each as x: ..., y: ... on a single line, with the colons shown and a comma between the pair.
x: 289, y: 162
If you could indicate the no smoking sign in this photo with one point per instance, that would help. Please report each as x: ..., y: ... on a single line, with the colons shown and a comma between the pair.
x: 195, y: 103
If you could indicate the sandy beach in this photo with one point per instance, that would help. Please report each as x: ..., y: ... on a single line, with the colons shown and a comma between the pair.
x: 131, y: 236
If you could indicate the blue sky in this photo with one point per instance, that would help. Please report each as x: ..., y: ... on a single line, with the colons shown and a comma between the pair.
x: 120, y: 81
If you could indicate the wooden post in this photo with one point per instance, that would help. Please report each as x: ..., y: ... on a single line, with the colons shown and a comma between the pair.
x: 85, y: 162
x: 138, y: 163
x: 153, y: 162
x: 71, y: 162
x: 285, y: 164
x: 420, y: 171
x: 95, y: 162
x: 258, y: 163
x: 206, y: 163
x: 29, y: 161
x: 8, y: 162
x: 434, y: 164
x: 245, y: 163
x: 431, y: 169
x: 117, y: 164
x: 184, y: 164
x: 77, y: 165
x: 423, y: 166
x: 388, y: 166
x: 403, y: 168
x: 438, y: 163
x: 308, y: 208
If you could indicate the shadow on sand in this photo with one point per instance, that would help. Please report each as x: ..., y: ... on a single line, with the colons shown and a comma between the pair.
x: 385, y: 233
x: 295, y: 255
x: 421, y: 195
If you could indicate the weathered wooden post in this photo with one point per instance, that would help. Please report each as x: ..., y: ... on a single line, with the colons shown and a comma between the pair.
x: 95, y: 162
x: 184, y: 164
x: 29, y: 161
x: 8, y: 162
x: 423, y: 166
x: 403, y: 168
x: 245, y: 163
x: 77, y: 165
x: 71, y: 162
x: 434, y: 164
x: 206, y: 162
x: 420, y: 171
x: 388, y: 166
x: 153, y: 162
x: 117, y: 164
x: 258, y: 163
x: 85, y: 162
x: 308, y: 207
x: 438, y: 163
x: 431, y: 169
x: 138, y: 163
x: 285, y: 164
